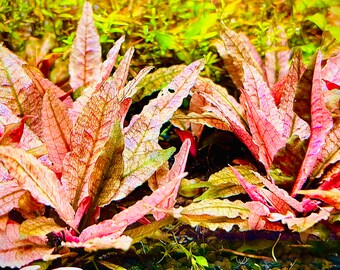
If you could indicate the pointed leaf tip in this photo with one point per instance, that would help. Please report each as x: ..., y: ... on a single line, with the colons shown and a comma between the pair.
x: 85, y: 58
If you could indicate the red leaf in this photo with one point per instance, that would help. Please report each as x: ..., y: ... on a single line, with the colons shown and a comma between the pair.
x: 28, y: 139
x: 263, y: 117
x: 13, y: 132
x: 185, y: 134
x: 279, y: 198
x: 331, y: 73
x: 292, y: 124
x: 321, y: 123
x: 330, y: 85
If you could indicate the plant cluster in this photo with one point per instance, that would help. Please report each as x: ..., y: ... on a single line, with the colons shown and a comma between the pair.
x: 68, y: 159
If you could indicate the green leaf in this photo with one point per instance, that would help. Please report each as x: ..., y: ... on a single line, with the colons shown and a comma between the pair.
x: 39, y: 226
x: 150, y: 230
x: 108, y: 170
x: 224, y: 183
x: 215, y: 214
x: 288, y: 160
x: 319, y: 19
x: 202, y: 261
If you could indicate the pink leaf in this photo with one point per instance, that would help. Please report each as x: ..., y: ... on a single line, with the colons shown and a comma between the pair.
x: 257, y: 219
x: 330, y: 152
x: 277, y: 61
x: 16, y: 252
x: 42, y: 85
x: 177, y: 169
x: 122, y: 71
x: 303, y: 223
x: 88, y: 137
x: 292, y: 124
x: 279, y: 198
x: 10, y: 193
x: 115, y: 226
x: 321, y: 123
x: 331, y: 73
x: 230, y: 114
x: 258, y: 94
x: 110, y: 61
x: 29, y: 139
x: 264, y: 135
x: 252, y: 190
x: 141, y: 136
x: 57, y: 129
x: 331, y: 196
x: 85, y: 58
x: 41, y: 182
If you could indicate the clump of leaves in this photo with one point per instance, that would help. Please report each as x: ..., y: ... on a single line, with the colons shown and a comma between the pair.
x: 290, y: 125
x: 64, y: 161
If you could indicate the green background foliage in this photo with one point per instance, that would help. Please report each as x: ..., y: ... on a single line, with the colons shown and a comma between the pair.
x: 166, y: 33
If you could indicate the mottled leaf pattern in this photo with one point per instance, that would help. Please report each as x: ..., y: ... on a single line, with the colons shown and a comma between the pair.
x: 88, y: 137
x: 120, y: 221
x: 85, y: 58
x: 321, y: 123
x: 157, y: 80
x: 141, y: 136
x: 224, y: 183
x: 234, y: 52
x: 215, y: 214
x: 37, y: 179
x: 10, y: 193
x: 29, y: 139
x: 17, y: 252
x: 17, y: 90
x: 122, y: 71
x: 303, y: 223
x: 277, y: 61
x: 13, y: 132
x: 288, y: 160
x: 332, y: 196
x: 39, y: 226
x: 292, y: 124
x: 42, y: 85
x: 177, y: 169
x: 110, y: 61
x: 330, y: 152
x: 108, y: 169
x: 56, y: 128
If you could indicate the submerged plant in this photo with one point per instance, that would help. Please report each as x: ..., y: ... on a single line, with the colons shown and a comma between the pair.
x: 63, y: 161
x: 291, y: 127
